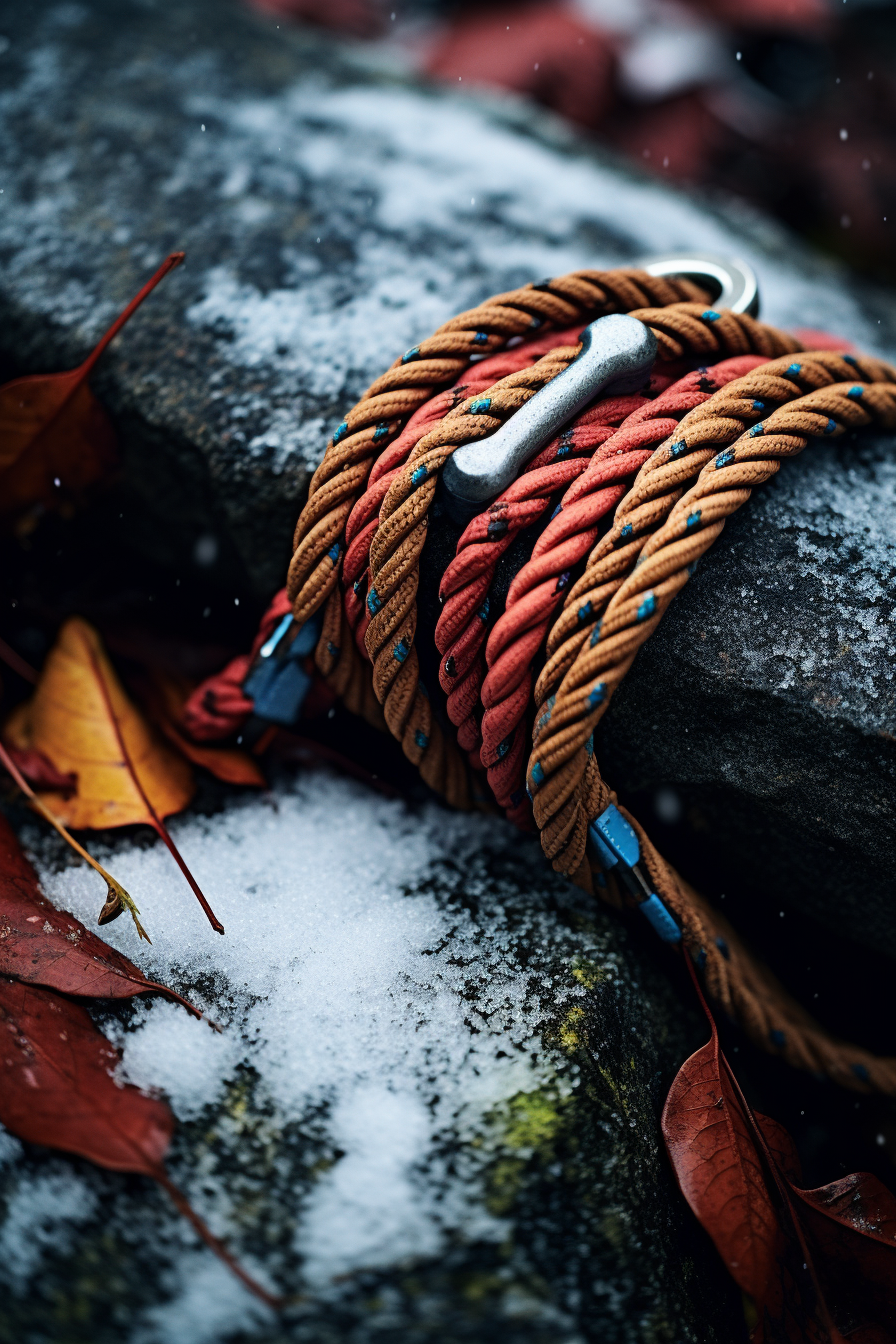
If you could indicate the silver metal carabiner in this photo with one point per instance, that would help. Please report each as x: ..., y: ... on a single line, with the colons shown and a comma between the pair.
x: 616, y: 357
x: 731, y: 282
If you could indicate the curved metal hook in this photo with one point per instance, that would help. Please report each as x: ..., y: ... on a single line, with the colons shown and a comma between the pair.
x: 731, y: 281
x: 617, y: 356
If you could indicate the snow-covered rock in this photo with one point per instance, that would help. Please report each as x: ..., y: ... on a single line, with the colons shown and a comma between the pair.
x: 334, y: 212
x: 431, y: 1112
x: 434, y: 1105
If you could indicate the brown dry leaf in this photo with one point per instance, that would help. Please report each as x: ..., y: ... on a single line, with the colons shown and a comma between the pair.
x: 82, y: 720
x: 55, y: 437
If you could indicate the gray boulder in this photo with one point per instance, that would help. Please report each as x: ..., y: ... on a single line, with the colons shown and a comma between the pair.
x: 430, y: 1114
x: 333, y: 212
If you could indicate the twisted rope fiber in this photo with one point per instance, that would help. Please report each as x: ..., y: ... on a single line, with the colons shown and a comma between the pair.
x: 363, y: 520
x: 768, y: 1015
x: 364, y: 517
x: 462, y: 626
x: 538, y: 588
x: 433, y: 364
x: 593, y: 643
x: 372, y: 425
x: 398, y: 542
x: 694, y: 519
x: 732, y: 977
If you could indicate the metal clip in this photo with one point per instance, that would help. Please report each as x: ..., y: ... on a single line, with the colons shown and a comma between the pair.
x: 278, y: 683
x: 616, y: 845
x: 617, y: 356
x: 730, y: 281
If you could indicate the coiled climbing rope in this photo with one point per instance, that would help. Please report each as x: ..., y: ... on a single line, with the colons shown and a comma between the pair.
x: 673, y: 464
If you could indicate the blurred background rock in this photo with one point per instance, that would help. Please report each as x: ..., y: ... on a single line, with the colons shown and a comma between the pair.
x: 789, y: 104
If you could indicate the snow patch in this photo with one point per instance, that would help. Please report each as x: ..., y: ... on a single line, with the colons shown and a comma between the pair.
x: 350, y: 1001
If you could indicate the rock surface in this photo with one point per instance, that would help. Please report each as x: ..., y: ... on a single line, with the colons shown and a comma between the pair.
x: 333, y: 214
x: 767, y: 699
x: 432, y: 1110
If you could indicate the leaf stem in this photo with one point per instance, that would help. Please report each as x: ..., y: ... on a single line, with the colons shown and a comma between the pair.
x: 183, y: 1205
x: 174, y: 259
x: 17, y: 663
x: 162, y: 831
x: 117, y: 899
x: 79, y: 376
x: 154, y: 819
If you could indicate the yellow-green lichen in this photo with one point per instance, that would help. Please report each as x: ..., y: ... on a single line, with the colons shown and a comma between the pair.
x: 588, y: 973
x: 532, y: 1120
x: 523, y: 1130
x: 572, y: 1034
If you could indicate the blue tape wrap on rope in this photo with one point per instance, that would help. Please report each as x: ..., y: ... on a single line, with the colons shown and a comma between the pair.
x: 657, y: 914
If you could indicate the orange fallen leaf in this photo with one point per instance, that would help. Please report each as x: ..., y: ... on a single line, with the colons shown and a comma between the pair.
x: 163, y: 696
x: 82, y: 721
x: 54, y: 434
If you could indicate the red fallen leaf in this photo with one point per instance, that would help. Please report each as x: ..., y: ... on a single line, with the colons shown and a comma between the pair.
x: 40, y: 771
x: 849, y: 1230
x: 163, y: 696
x: 714, y: 1155
x: 851, y: 1226
x: 361, y: 18
x: 59, y: 1089
x: 819, y: 1264
x: 544, y: 50
x: 45, y: 946
x: 53, y: 429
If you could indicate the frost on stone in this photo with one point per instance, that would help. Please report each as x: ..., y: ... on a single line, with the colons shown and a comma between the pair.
x: 391, y: 208
x: 368, y: 1005
x: 818, y: 545
x: 399, y: 171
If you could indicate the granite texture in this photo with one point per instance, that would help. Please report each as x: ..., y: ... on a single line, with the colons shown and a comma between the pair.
x: 431, y: 1113
x: 333, y: 212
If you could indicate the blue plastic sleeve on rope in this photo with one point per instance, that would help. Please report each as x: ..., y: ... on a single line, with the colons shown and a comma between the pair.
x: 618, y: 836
x: 658, y: 916
x: 278, y: 683
x: 607, y: 858
x: 306, y: 640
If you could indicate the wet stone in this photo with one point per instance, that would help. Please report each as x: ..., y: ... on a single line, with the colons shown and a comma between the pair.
x: 766, y: 701
x: 431, y: 1112
x: 333, y: 213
